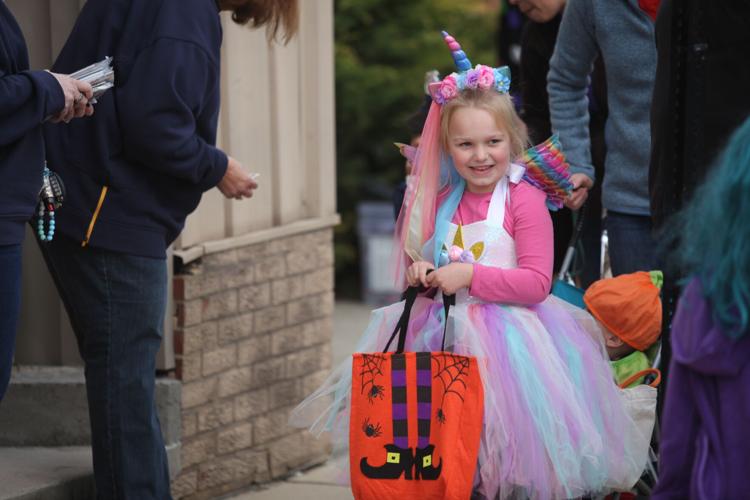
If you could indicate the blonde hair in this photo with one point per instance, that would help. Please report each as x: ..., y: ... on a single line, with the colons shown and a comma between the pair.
x: 500, y: 106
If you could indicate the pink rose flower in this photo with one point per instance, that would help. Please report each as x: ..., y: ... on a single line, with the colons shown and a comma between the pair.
x: 448, y: 89
x: 486, y: 78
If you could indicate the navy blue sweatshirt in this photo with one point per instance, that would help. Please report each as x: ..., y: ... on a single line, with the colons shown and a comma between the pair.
x: 26, y: 99
x: 139, y: 166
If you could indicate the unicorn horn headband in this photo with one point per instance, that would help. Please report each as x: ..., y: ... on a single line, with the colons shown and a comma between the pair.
x: 459, y: 56
x: 480, y: 77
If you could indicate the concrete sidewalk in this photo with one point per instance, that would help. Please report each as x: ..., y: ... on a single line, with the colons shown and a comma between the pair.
x: 63, y: 473
x: 349, y: 321
x: 33, y: 473
x: 315, y: 484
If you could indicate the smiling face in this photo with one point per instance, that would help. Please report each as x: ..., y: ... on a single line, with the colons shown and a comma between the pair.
x: 480, y: 148
x: 540, y: 11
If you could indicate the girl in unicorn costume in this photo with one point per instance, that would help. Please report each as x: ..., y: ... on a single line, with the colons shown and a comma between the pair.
x: 476, y: 224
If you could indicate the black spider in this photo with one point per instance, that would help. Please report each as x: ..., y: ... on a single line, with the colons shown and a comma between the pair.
x: 440, y: 416
x: 371, y: 430
x: 376, y: 391
x: 372, y: 367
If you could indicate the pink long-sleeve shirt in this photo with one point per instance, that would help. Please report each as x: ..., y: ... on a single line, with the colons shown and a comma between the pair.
x: 528, y: 222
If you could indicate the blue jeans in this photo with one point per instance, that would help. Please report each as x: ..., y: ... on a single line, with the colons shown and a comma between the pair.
x: 116, y: 306
x: 631, y: 243
x: 10, y: 305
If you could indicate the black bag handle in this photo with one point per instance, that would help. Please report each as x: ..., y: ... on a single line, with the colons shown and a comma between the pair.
x: 448, y: 301
x: 410, y: 297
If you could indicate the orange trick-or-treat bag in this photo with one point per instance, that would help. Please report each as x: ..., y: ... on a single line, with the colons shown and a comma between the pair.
x: 416, y: 420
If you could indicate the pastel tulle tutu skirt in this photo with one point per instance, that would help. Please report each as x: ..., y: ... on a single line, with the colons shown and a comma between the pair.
x: 554, y: 423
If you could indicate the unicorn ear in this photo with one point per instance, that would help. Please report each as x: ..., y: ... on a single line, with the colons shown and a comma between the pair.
x: 504, y: 70
x: 434, y: 90
x: 458, y: 238
x: 477, y: 249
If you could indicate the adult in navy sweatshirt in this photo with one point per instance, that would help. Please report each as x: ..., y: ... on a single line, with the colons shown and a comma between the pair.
x: 136, y: 170
x: 27, y: 98
x: 133, y: 174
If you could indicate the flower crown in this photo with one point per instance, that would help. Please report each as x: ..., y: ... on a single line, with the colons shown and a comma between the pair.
x: 479, y: 77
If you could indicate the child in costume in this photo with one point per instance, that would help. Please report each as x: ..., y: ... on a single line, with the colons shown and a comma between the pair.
x: 704, y: 449
x: 554, y: 425
x: 628, y: 310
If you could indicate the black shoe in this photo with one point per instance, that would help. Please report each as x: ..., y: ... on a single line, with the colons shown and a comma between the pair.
x: 423, y: 463
x: 398, y: 460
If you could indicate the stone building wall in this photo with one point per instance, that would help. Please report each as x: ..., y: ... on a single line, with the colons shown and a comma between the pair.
x: 252, y: 334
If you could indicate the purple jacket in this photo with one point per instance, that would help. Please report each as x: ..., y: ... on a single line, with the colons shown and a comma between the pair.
x: 705, y: 443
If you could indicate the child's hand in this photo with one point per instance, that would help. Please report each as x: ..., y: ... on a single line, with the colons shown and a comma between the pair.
x: 417, y: 273
x: 452, y: 277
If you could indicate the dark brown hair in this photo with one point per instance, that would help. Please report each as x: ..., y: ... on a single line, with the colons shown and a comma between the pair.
x: 274, y: 14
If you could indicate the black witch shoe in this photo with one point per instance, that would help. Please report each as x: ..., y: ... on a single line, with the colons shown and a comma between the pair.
x: 423, y: 461
x: 398, y: 460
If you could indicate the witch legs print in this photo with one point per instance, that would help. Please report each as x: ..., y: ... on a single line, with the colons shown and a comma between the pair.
x: 411, y: 422
x: 399, y: 457
x: 423, y: 458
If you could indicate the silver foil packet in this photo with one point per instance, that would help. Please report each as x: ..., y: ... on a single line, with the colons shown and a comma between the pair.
x: 100, y: 75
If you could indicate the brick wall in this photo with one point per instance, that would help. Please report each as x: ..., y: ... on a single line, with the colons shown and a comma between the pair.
x: 252, y: 338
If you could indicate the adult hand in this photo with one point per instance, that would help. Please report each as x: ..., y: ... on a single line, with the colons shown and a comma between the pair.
x: 77, y: 95
x: 581, y: 185
x: 236, y: 183
x: 417, y: 273
x: 452, y: 277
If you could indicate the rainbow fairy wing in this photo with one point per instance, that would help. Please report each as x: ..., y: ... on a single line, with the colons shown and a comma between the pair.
x: 548, y: 170
x: 407, y: 151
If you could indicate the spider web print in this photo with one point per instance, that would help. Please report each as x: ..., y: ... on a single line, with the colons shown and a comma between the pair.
x: 451, y: 371
x: 372, y: 367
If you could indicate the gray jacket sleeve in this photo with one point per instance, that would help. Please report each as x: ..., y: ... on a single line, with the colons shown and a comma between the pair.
x: 568, y: 81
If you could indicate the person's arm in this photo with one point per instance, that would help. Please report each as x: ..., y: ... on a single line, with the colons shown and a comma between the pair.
x: 680, y: 419
x: 567, y: 83
x: 677, y: 444
x: 166, y: 90
x: 530, y: 282
x: 26, y: 99
x: 679, y: 426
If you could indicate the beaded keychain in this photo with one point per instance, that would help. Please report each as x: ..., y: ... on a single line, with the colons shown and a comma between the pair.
x: 50, y: 199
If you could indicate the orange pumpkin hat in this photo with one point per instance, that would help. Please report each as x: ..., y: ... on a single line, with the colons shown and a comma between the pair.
x: 629, y: 306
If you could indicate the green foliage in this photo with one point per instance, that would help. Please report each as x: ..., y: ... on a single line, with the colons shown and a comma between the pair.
x: 383, y: 48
